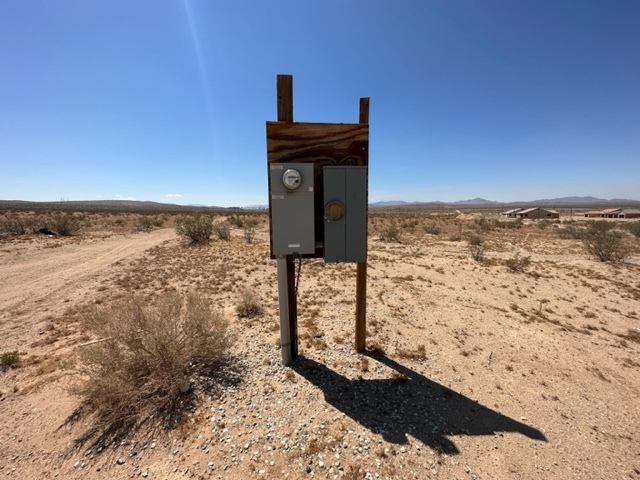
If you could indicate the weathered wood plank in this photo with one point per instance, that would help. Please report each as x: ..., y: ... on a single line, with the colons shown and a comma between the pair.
x: 285, y: 98
x: 318, y: 143
x: 361, y: 268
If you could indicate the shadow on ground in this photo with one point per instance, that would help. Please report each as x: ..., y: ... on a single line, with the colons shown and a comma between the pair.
x: 409, y: 404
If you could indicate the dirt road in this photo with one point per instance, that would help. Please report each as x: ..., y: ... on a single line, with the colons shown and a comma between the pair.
x: 48, y: 273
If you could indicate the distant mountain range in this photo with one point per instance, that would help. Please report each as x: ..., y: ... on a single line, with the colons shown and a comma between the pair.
x: 135, y: 205
x: 481, y: 202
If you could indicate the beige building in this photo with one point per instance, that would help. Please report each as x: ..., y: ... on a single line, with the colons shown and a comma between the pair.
x: 531, y: 213
x: 614, y: 213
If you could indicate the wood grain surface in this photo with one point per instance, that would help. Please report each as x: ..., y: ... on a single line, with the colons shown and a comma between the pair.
x: 318, y: 143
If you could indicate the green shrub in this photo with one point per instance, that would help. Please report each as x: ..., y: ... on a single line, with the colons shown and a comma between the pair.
x: 195, y: 228
x: 9, y: 359
x: 605, y: 243
x: 147, y: 356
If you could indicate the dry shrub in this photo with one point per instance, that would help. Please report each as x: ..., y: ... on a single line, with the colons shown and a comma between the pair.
x: 474, y: 239
x: 390, y: 233
x: 248, y: 304
x: 433, y: 229
x: 147, y: 223
x: 518, y: 263
x: 571, y: 231
x: 222, y: 230
x: 633, y: 228
x: 17, y: 225
x: 249, y: 229
x: 195, y: 228
x: 148, y: 355
x: 605, y: 243
x: 64, y: 224
x: 477, y: 252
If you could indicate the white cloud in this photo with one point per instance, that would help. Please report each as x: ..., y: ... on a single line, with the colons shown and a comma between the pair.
x: 179, y: 195
x: 121, y: 197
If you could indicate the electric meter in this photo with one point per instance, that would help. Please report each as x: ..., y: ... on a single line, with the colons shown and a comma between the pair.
x: 291, y: 179
x: 334, y: 211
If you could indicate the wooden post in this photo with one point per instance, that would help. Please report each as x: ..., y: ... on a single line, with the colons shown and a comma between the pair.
x: 361, y: 267
x: 285, y: 114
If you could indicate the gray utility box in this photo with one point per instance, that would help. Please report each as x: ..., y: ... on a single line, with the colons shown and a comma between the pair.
x: 292, y: 213
x: 345, y: 213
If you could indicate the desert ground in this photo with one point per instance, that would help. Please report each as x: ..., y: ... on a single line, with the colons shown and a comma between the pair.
x: 476, y: 368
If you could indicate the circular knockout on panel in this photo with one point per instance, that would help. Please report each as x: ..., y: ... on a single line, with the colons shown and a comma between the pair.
x: 334, y: 211
x: 291, y: 179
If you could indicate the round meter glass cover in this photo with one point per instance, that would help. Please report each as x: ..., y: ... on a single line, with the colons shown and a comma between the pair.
x: 291, y: 179
x: 334, y: 211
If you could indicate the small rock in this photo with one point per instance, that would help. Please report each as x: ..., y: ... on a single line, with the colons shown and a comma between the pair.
x: 120, y: 461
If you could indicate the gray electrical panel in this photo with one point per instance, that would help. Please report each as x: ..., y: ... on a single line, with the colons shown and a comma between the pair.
x: 345, y: 213
x: 292, y: 211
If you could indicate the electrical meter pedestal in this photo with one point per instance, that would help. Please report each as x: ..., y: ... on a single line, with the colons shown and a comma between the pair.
x: 292, y: 208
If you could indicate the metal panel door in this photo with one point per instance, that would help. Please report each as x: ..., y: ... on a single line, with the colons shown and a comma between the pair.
x: 292, y: 212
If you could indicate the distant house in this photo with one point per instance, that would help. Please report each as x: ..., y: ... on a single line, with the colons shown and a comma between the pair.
x: 511, y: 213
x: 630, y: 213
x: 537, y: 213
x: 531, y: 213
x: 614, y: 213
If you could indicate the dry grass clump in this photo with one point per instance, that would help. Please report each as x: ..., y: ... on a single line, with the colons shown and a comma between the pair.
x: 249, y: 305
x: 146, y: 356
x: 195, y: 228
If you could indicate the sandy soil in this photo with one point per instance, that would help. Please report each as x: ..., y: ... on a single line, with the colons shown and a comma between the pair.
x: 473, y: 371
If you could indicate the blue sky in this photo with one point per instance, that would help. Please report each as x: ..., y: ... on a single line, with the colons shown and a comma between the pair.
x: 167, y: 100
